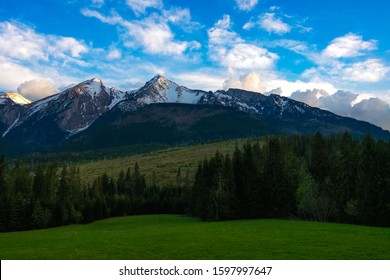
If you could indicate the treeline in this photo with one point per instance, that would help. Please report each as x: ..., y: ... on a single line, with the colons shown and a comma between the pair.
x: 335, y: 179
x: 54, y: 196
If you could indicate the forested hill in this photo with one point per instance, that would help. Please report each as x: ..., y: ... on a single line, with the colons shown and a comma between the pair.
x: 337, y: 179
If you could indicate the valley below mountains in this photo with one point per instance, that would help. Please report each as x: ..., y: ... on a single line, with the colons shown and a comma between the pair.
x: 92, y: 116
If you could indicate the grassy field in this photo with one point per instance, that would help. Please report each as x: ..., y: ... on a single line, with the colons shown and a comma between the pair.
x: 164, y: 163
x: 178, y: 237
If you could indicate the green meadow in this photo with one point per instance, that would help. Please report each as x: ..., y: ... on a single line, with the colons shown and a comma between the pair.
x: 179, y: 237
x: 163, y: 163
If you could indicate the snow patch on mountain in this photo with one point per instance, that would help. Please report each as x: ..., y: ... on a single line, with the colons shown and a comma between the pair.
x: 93, y: 87
x: 10, y: 127
x: 14, y: 97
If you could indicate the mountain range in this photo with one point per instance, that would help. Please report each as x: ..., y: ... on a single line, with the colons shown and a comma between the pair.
x: 91, y: 115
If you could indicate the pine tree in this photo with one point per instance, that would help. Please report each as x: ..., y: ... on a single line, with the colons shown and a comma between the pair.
x: 39, y: 218
x: 274, y: 181
x: 319, y: 163
x: 4, y: 194
x: 239, y: 187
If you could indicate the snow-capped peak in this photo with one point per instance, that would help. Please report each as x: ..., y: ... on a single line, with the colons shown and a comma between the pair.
x: 158, y: 78
x: 92, y: 87
x: 97, y: 80
x: 160, y: 83
x: 161, y: 90
x: 14, y: 97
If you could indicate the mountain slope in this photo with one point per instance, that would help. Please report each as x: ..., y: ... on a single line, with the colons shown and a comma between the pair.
x: 169, y: 124
x: 161, y: 90
x: 287, y: 115
x: 48, y: 121
x: 11, y: 107
x: 91, y: 112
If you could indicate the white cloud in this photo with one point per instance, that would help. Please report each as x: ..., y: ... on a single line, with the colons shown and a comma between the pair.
x: 19, y: 41
x: 364, y: 111
x: 310, y: 97
x: 371, y: 71
x: 71, y: 46
x: 271, y: 24
x: 12, y: 74
x: 114, y: 53
x: 113, y: 19
x: 182, y: 18
x: 221, y: 35
x: 247, y: 56
x: 350, y: 45
x: 229, y: 49
x: 153, y: 34
x: 140, y: 6
x: 293, y: 45
x: 289, y: 87
x: 28, y: 55
x: 345, y: 103
x: 246, y: 5
x: 224, y: 22
x: 201, y: 80
x: 274, y: 22
x: 37, y: 89
x: 339, y: 62
x: 249, y: 25
x: 251, y: 82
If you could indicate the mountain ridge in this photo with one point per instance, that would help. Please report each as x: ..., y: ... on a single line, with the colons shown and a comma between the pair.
x: 45, y: 123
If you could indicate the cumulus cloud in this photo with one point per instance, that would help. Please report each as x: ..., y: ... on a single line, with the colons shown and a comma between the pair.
x: 248, y: 56
x: 344, y: 60
x: 230, y: 50
x: 37, y: 89
x: 271, y: 24
x: 246, y: 5
x: 71, y: 46
x: 371, y: 70
x: 350, y: 45
x: 277, y: 91
x: 310, y: 97
x: 21, y: 42
x: 12, y: 74
x: 221, y: 34
x: 346, y: 103
x: 140, y: 6
x: 289, y: 87
x: 339, y: 103
x: 251, y: 82
x: 152, y: 34
x: 373, y: 110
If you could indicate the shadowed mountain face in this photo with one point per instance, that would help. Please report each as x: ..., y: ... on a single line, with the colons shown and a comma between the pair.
x: 169, y: 124
x: 161, y: 112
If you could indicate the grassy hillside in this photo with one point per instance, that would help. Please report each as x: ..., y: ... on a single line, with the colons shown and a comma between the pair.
x: 163, y: 163
x: 177, y: 237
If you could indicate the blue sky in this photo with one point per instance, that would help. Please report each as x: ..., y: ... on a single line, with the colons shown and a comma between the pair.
x: 260, y: 45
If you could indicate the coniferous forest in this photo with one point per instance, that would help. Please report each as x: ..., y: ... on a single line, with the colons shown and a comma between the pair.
x: 337, y: 179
